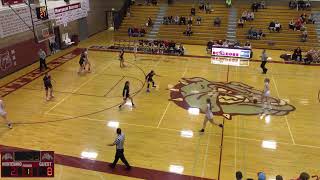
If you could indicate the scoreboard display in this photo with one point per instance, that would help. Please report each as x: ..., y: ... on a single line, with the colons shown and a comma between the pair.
x: 27, y: 164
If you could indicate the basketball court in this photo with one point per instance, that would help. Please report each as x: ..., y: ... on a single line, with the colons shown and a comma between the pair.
x: 162, y: 139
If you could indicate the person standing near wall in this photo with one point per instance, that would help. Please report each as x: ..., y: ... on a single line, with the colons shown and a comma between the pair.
x: 42, y: 57
x: 119, y: 142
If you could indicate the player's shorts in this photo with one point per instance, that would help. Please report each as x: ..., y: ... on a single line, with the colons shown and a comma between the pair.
x: 47, y: 86
x: 2, y: 113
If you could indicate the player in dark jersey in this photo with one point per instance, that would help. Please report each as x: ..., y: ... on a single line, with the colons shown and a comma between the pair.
x: 48, y: 86
x: 82, y: 63
x: 121, y: 58
x: 150, y: 80
x: 126, y: 94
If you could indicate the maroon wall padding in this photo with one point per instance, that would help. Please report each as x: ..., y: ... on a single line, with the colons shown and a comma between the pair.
x: 10, y: 2
x: 17, y: 56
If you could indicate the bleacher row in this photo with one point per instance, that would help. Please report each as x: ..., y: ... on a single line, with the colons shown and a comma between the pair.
x: 286, y: 39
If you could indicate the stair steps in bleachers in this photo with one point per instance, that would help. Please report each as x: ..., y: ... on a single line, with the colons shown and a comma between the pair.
x: 232, y: 24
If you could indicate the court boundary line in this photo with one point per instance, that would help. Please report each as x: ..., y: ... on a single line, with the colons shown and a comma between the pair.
x: 200, y: 56
x: 163, y: 114
x: 285, y: 117
x: 114, y: 86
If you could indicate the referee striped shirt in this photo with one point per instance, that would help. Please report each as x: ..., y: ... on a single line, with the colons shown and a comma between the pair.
x: 119, y: 141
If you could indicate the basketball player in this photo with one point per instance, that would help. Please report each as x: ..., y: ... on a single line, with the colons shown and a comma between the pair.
x: 82, y: 63
x: 48, y: 86
x: 266, y: 94
x: 135, y: 51
x: 3, y: 114
x: 121, y: 58
x: 264, y: 59
x: 209, y: 116
x: 86, y: 62
x: 150, y: 80
x: 126, y: 94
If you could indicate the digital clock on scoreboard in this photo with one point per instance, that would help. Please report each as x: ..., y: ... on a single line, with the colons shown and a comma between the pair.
x: 27, y: 164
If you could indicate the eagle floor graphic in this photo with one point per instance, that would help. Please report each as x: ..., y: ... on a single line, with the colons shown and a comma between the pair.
x: 228, y: 99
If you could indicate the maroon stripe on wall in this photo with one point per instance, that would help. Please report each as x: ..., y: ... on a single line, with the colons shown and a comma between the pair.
x: 101, y: 166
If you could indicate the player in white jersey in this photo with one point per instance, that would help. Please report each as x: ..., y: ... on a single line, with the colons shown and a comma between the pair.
x: 266, y: 94
x: 209, y: 116
x: 3, y: 114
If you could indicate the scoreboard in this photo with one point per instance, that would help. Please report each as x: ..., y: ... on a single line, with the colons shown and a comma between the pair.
x: 27, y: 164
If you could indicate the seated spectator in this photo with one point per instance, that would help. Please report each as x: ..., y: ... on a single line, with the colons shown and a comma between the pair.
x: 188, y: 31
x: 304, y: 36
x: 297, y: 54
x: 154, y: 2
x: 262, y: 5
x: 181, y: 50
x: 260, y: 34
x: 202, y: 6
x: 149, y: 23
x: 254, y: 7
x: 190, y: 20
x: 312, y: 56
x: 176, y: 20
x: 244, y: 15
x: 135, y: 32
x: 240, y: 23
x: 147, y: 2
x: 303, y: 17
x: 247, y: 45
x: 198, y: 20
x: 292, y: 4
x: 311, y: 19
x: 182, y: 20
x: 272, y: 25
x: 142, y: 32
x: 277, y: 26
x: 225, y: 43
x: 250, y: 16
x: 170, y: 19
x: 308, y: 4
x: 193, y: 12
x: 208, y: 8
x: 291, y: 24
x: 298, y: 24
x: 130, y: 32
x: 217, y: 22
x: 165, y: 20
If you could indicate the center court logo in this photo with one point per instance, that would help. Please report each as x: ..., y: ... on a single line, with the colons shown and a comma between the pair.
x: 228, y: 99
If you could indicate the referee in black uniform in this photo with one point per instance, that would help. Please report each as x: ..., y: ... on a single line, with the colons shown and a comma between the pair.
x: 119, y: 141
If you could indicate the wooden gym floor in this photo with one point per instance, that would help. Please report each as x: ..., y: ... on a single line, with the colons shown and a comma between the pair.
x: 160, y: 132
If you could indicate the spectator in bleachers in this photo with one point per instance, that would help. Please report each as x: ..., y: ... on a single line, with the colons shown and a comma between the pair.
x: 193, y: 11
x: 208, y: 8
x: 154, y: 2
x: 292, y: 4
x: 198, y: 20
x: 291, y: 24
x: 277, y: 26
x: 182, y: 20
x: 176, y: 19
x: 240, y: 23
x: 181, y: 50
x: 303, y: 17
x: 297, y: 54
x: 260, y: 34
x: 312, y: 56
x: 244, y: 15
x: 304, y: 36
x: 201, y: 5
x: 149, y: 23
x: 217, y: 22
x: 298, y: 24
x: 147, y: 2
x: 262, y: 5
x: 272, y: 25
x: 255, y: 7
x: 308, y: 5
x: 190, y: 19
x: 250, y: 16
x: 130, y: 31
x: 311, y: 19
x: 142, y: 32
x: 188, y: 31
x: 247, y: 45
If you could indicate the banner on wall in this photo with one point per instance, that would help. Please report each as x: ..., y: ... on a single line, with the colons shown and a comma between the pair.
x: 17, y: 56
x: 11, y: 24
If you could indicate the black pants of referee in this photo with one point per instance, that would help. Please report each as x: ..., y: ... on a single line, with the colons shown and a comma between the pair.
x: 263, y: 67
x: 43, y: 64
x: 120, y: 155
